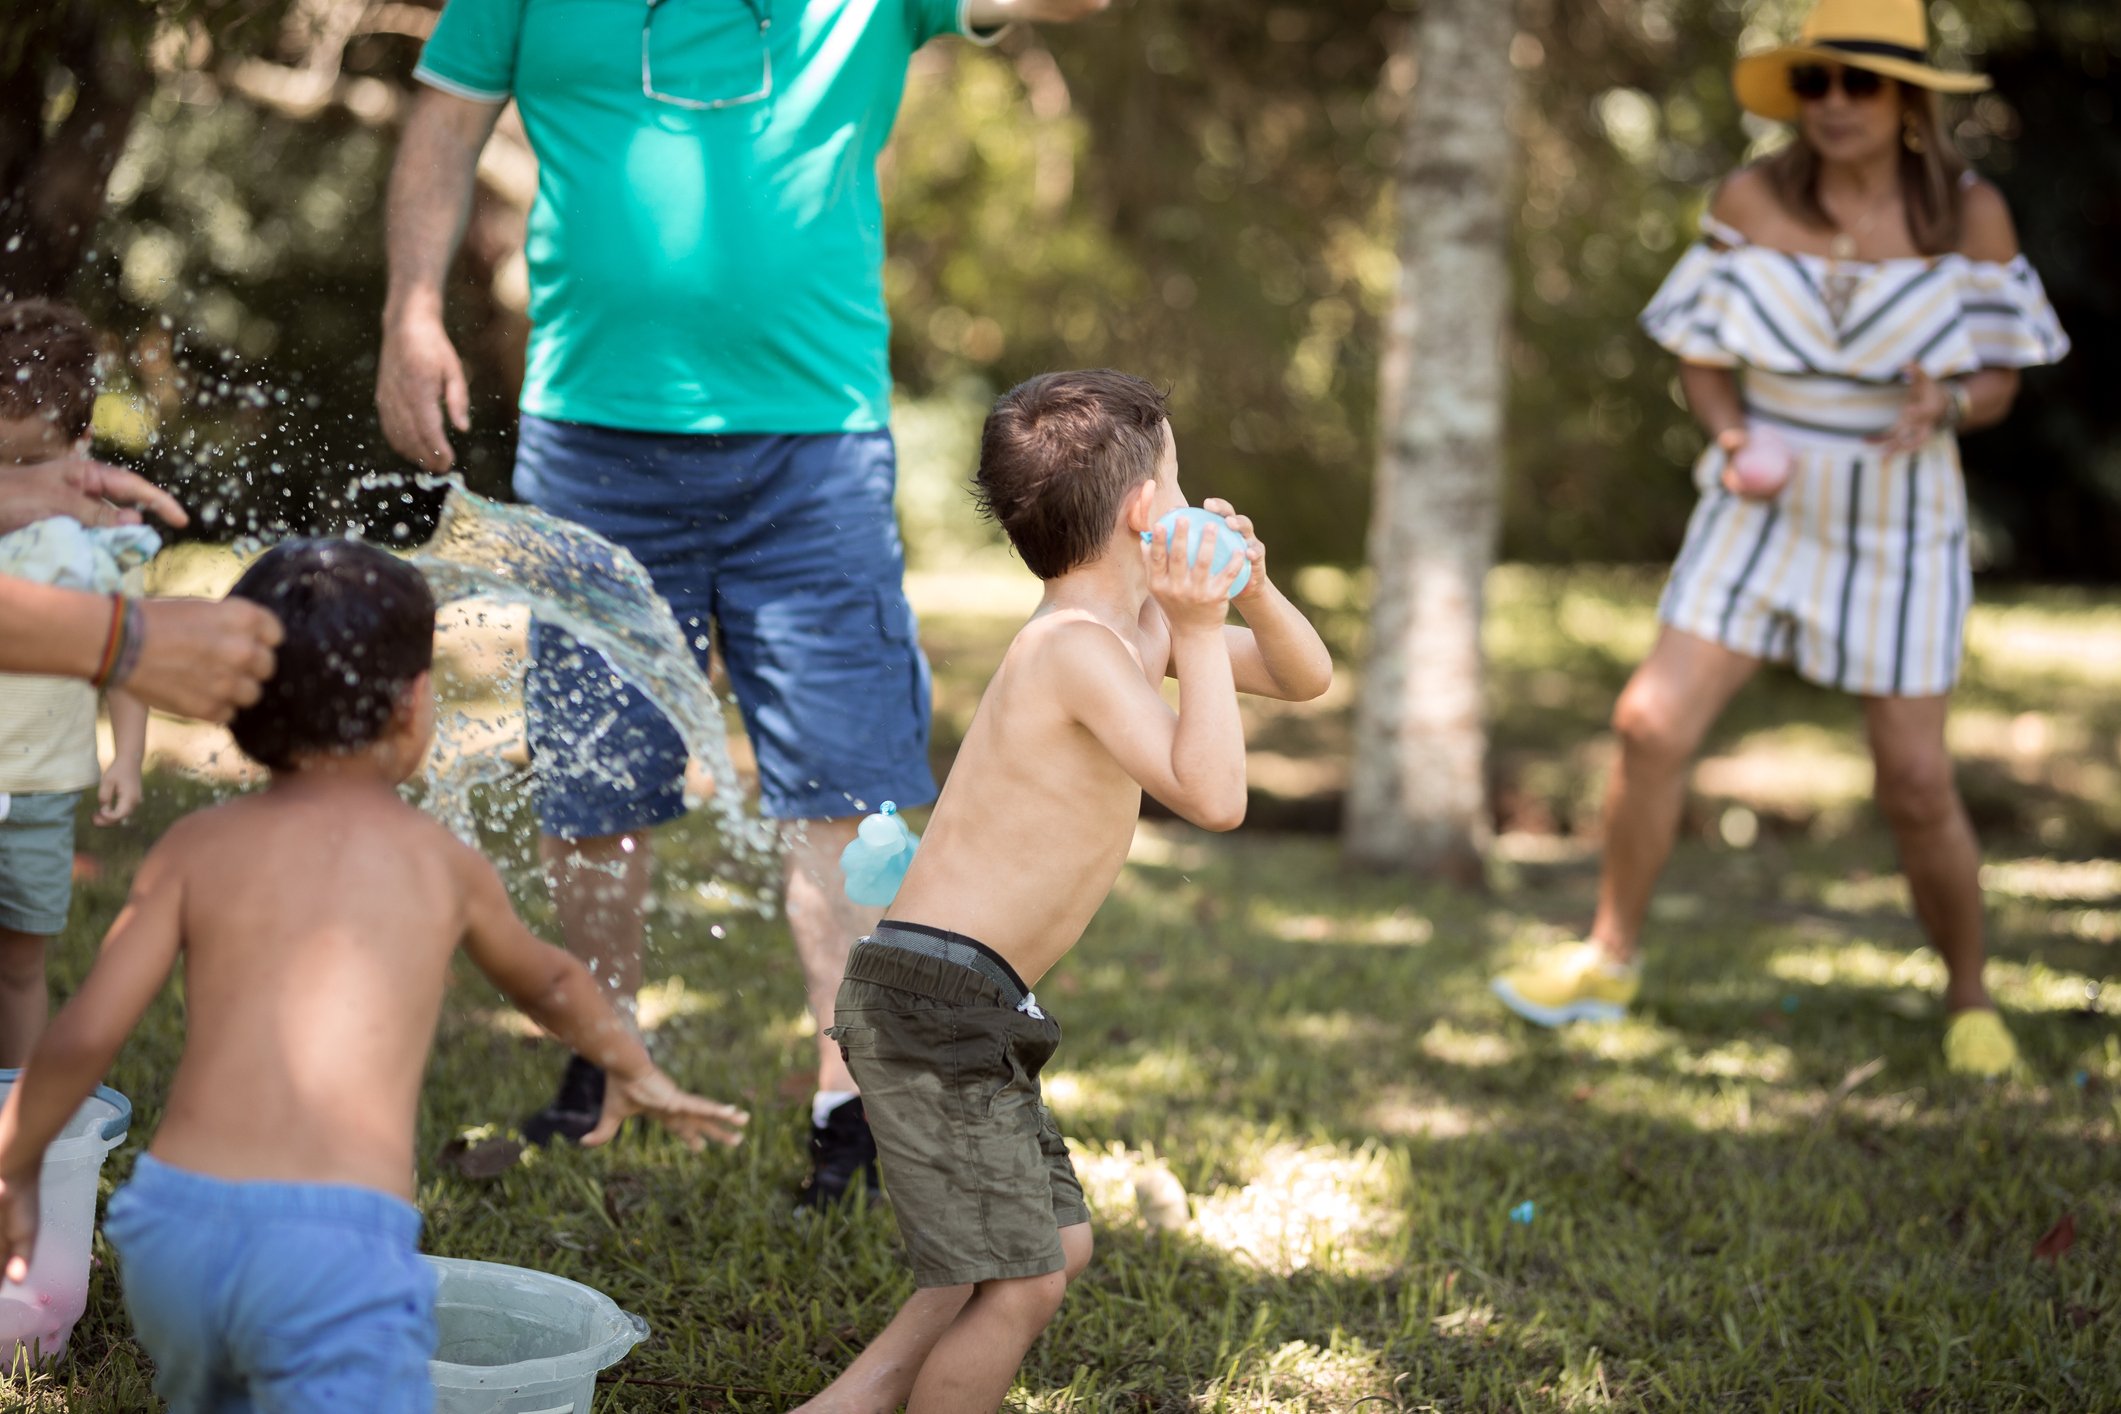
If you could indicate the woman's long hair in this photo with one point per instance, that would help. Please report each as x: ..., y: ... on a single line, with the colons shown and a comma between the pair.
x: 1930, y: 172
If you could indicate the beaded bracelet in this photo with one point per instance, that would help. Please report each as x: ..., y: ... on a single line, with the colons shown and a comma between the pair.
x: 113, y: 644
x: 131, y: 641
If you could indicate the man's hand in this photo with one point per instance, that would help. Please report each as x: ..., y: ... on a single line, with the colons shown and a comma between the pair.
x: 418, y: 376
x: 18, y: 1224
x: 656, y: 1095
x: 1191, y: 595
x: 994, y: 14
x: 202, y: 657
x: 84, y: 489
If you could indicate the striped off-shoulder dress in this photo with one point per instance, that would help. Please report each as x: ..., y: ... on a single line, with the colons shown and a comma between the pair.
x: 1857, y: 572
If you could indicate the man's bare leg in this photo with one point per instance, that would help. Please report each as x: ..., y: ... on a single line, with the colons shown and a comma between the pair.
x: 599, y: 888
x: 825, y: 924
x: 882, y: 1377
x: 1938, y: 850
x: 1664, y: 712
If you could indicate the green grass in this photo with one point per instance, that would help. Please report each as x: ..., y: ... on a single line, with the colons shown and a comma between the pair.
x: 1733, y: 1209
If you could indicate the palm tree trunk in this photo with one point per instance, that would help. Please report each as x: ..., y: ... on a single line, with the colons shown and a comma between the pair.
x: 1419, y: 800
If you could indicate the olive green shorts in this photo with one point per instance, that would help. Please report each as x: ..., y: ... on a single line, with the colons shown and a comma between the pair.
x: 948, y: 1067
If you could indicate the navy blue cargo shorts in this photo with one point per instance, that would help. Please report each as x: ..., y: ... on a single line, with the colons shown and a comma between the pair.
x: 784, y: 552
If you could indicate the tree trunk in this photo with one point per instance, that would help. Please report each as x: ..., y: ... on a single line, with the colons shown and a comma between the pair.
x: 52, y: 182
x: 1418, y: 801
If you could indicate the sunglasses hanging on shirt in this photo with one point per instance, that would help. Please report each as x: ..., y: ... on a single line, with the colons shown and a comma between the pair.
x: 760, y: 13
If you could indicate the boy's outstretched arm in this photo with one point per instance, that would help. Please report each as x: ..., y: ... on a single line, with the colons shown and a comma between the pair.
x: 1192, y: 760
x: 1277, y: 653
x: 74, y: 1053
x: 555, y: 990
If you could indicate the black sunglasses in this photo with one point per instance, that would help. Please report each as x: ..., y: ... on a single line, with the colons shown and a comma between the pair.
x: 1812, y: 82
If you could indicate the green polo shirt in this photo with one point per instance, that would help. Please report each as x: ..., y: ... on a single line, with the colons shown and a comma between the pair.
x: 700, y: 271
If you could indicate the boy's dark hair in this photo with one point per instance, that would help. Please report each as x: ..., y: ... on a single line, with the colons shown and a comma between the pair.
x: 47, y: 365
x: 1058, y: 457
x: 360, y: 625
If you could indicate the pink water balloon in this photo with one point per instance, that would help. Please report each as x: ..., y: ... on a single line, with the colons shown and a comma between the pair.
x: 1762, y: 466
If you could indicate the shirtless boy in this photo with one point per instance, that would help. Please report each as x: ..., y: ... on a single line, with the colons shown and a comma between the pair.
x: 936, y: 1014
x: 268, y: 1242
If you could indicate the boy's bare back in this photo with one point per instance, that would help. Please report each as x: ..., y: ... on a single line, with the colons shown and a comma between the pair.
x: 1036, y: 818
x: 316, y: 922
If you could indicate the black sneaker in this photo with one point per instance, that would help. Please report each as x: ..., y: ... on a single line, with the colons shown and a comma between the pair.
x: 842, y: 1158
x: 574, y: 1111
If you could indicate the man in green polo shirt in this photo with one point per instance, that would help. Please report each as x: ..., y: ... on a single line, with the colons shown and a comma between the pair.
x: 707, y: 385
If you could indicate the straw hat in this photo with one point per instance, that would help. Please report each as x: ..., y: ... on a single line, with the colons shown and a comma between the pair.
x: 1889, y: 37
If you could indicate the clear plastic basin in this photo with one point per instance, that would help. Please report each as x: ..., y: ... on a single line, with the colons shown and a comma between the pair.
x: 515, y: 1341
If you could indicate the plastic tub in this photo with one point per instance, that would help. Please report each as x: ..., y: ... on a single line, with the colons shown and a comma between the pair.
x: 39, y: 1315
x: 514, y: 1341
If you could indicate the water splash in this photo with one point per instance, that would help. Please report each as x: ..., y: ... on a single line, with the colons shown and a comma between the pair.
x: 570, y: 578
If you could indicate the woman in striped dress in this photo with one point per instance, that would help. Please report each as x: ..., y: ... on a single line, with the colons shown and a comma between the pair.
x: 1857, y: 299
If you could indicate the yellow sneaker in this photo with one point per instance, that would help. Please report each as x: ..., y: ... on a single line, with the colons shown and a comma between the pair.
x: 1568, y: 984
x: 1977, y: 1043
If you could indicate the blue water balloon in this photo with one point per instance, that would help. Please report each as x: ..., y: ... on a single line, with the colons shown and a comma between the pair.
x: 1199, y: 522
x: 875, y: 861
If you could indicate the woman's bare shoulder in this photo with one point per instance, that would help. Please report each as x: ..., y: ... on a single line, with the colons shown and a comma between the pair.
x: 1746, y: 203
x: 1986, y: 231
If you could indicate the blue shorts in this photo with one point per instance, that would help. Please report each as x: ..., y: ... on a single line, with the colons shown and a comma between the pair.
x: 787, y: 547
x: 37, y: 861
x: 275, y: 1296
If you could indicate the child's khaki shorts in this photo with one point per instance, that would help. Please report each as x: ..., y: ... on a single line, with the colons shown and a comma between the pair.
x: 949, y: 1067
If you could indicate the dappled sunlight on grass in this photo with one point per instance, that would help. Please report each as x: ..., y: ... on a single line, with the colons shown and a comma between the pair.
x: 1401, y: 927
x: 1866, y: 893
x: 1632, y: 1041
x: 1301, y: 1376
x: 2078, y: 642
x: 1411, y: 1114
x: 2035, y: 986
x: 1741, y: 1059
x: 1470, y: 1048
x: 1164, y: 846
x: 1795, y: 769
x: 1106, y: 1090
x: 1303, y: 1207
x: 1331, y: 1029
x: 2054, y: 880
x: 664, y: 1001
x: 1848, y: 962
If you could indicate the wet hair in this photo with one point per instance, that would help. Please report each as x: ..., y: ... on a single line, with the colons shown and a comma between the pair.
x: 1059, y: 456
x: 47, y: 365
x: 360, y: 626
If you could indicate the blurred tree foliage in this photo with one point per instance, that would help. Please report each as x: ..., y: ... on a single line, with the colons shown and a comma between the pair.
x: 1195, y: 191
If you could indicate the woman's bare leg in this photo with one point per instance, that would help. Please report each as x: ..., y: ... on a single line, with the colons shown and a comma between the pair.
x: 1664, y: 712
x: 1938, y: 850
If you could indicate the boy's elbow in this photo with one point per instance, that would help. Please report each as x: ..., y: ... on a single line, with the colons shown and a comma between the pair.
x: 1315, y: 684
x: 1221, y: 816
